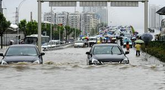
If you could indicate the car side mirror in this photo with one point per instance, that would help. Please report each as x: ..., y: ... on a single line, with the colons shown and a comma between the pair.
x: 1, y: 54
x: 126, y: 52
x: 88, y: 53
x: 42, y: 54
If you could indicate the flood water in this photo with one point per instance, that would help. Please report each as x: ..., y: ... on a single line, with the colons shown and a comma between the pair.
x: 66, y: 69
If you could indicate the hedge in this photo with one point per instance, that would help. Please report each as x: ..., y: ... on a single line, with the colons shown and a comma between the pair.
x: 155, y: 48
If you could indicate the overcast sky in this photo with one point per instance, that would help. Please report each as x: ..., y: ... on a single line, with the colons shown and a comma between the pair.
x: 117, y: 15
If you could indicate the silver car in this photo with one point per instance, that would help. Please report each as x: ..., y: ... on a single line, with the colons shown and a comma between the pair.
x: 100, y: 53
x: 79, y: 44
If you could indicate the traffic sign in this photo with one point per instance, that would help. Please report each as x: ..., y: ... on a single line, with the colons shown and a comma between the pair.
x: 124, y: 4
x: 63, y: 3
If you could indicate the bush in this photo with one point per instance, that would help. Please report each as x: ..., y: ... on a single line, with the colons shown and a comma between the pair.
x: 155, y: 48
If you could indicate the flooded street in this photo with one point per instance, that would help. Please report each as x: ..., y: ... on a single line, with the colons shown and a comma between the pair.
x: 66, y: 69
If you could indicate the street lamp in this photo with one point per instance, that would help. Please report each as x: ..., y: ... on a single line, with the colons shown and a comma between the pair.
x: 17, y: 18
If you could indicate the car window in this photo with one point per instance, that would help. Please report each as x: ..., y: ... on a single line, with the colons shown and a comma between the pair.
x: 92, y: 38
x: 102, y: 50
x: 116, y: 50
x: 25, y: 51
x: 106, y: 50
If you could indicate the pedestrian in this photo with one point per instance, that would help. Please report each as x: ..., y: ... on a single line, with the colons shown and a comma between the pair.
x: 127, y: 46
x: 137, y: 46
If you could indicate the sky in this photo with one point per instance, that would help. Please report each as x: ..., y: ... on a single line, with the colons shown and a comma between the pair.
x: 116, y: 15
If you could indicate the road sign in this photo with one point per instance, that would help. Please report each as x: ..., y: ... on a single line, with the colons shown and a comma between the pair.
x: 124, y: 4
x: 63, y: 3
x: 93, y: 4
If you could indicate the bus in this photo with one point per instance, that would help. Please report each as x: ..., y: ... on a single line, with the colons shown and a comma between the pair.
x: 33, y: 39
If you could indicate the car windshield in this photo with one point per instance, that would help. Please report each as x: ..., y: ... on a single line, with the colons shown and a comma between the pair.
x: 79, y: 42
x: 92, y: 38
x: 106, y: 50
x: 21, y: 51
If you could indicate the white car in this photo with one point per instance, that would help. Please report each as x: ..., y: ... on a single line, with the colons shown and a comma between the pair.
x: 79, y: 44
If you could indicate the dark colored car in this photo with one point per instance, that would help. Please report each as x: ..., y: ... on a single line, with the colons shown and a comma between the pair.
x: 100, y: 53
x: 22, y: 53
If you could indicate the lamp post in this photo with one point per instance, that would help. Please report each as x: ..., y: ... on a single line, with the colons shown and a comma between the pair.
x: 17, y: 18
x: 51, y: 24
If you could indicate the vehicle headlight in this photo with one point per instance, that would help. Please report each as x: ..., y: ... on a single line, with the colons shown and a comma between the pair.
x: 37, y: 62
x: 3, y: 62
x: 95, y: 61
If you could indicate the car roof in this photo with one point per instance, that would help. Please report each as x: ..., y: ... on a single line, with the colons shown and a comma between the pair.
x: 23, y: 45
x: 109, y: 44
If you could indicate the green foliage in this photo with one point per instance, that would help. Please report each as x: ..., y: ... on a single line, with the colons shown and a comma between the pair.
x: 4, y: 25
x: 23, y: 26
x: 156, y: 48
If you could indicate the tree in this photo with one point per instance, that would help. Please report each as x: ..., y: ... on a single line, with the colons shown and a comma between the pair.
x: 78, y: 32
x: 68, y: 31
x: 3, y: 27
x: 22, y: 27
x: 32, y: 27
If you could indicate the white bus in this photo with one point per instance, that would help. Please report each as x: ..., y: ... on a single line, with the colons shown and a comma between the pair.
x: 33, y: 39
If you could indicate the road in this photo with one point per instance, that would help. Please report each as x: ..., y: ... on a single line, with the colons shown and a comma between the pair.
x: 66, y: 69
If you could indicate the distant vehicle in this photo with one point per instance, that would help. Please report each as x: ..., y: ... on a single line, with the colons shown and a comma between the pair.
x: 100, y: 53
x: 51, y: 44
x: 22, y: 53
x: 79, y: 44
x: 33, y: 39
x: 125, y: 40
x: 128, y: 35
x: 70, y: 41
x: 151, y: 30
x: 92, y: 41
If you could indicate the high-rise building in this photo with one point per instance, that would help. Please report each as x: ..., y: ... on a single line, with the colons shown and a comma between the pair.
x: 48, y: 17
x: 102, y: 12
x: 89, y: 21
x: 62, y: 18
x: 1, y: 10
x: 154, y: 18
x: 74, y: 20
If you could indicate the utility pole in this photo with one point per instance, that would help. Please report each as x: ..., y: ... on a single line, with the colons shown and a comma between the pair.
x: 146, y: 16
x: 75, y: 29
x: 51, y: 23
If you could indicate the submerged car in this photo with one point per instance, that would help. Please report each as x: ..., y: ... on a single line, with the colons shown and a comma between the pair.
x: 22, y: 53
x: 100, y: 53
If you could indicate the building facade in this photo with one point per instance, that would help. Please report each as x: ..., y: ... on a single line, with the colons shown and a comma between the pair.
x: 1, y: 10
x: 49, y: 17
x: 102, y: 12
x: 154, y: 18
x: 89, y: 21
x: 62, y: 18
x: 74, y: 20
x: 82, y: 21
